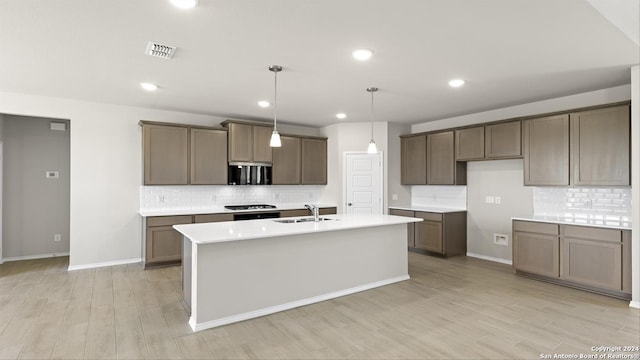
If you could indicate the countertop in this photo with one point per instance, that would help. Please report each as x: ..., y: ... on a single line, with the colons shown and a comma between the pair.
x: 208, y: 233
x: 433, y: 209
x: 612, y: 224
x: 220, y: 210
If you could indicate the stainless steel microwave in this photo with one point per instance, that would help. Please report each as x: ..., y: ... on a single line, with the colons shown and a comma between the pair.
x: 249, y: 174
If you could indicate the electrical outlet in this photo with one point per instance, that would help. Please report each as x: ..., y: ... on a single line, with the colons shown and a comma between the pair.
x: 501, y: 239
x: 498, y: 200
x: 161, y: 198
x: 57, y: 237
x: 489, y: 199
x: 394, y: 196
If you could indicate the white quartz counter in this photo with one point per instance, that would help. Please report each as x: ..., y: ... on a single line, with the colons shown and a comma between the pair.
x: 218, y: 210
x: 433, y: 209
x: 613, y: 224
x: 206, y: 233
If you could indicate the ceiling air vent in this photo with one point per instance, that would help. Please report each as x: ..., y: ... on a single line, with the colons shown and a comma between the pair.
x: 160, y: 50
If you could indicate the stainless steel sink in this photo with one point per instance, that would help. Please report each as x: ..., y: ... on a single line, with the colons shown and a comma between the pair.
x: 293, y: 221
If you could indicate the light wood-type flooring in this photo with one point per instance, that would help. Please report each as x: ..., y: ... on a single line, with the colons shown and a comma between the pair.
x: 457, y: 308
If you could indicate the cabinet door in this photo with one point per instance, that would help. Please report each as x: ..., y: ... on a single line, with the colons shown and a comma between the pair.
x: 410, y: 226
x: 503, y: 140
x: 592, y: 262
x: 240, y: 142
x: 440, y: 159
x: 166, y: 155
x: 328, y: 211
x: 314, y: 162
x: 600, y: 146
x: 261, y: 148
x: 414, y: 160
x: 208, y: 157
x: 206, y: 218
x: 164, y: 244
x: 294, y: 212
x: 470, y: 143
x: 286, y: 162
x: 536, y: 253
x: 429, y: 236
x: 546, y: 150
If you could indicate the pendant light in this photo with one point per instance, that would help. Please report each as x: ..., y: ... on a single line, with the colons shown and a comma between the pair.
x: 275, y: 137
x: 372, y: 149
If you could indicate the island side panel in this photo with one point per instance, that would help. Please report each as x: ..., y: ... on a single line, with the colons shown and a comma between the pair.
x: 243, y: 279
x: 186, y: 271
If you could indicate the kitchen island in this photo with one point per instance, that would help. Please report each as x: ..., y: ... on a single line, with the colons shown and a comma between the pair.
x: 234, y: 271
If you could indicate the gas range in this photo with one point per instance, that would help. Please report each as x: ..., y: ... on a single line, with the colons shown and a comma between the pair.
x: 249, y: 207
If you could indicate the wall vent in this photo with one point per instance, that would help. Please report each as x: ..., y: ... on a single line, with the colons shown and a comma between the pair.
x: 162, y: 51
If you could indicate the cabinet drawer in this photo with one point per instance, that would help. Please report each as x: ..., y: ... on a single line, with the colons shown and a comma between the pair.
x: 593, y: 233
x: 535, y: 227
x: 212, y: 218
x: 169, y: 220
x: 328, y: 211
x: 407, y: 213
x: 295, y: 212
x: 429, y: 216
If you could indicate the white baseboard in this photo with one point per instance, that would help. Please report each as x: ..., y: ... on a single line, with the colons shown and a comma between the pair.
x: 490, y: 258
x: 634, y: 304
x: 33, y: 257
x: 104, y: 264
x: 294, y: 304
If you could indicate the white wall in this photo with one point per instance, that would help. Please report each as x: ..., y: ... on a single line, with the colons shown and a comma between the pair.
x: 350, y: 137
x: 106, y: 171
x: 635, y: 183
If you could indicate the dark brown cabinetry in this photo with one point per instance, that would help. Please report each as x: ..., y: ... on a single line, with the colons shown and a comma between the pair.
x: 470, y: 144
x: 546, y: 150
x: 414, y: 160
x: 503, y: 140
x: 181, y: 155
x: 600, y: 146
x: 166, y: 154
x: 592, y: 258
x: 306, y: 212
x: 441, y: 169
x: 248, y: 142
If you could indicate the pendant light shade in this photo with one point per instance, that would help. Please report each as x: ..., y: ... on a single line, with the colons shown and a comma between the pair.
x: 372, y: 149
x: 275, y: 137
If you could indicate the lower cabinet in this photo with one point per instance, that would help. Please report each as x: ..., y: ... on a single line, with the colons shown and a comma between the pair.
x: 439, y: 233
x: 596, y: 259
x: 305, y: 212
x: 163, y: 243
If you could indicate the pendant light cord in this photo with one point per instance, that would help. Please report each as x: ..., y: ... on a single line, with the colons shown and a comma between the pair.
x: 275, y: 101
x: 371, y: 115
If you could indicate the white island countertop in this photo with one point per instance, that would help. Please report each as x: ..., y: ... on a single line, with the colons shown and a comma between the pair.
x: 218, y: 232
x: 423, y: 208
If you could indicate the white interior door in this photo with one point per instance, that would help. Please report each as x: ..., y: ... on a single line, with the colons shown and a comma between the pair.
x: 363, y: 183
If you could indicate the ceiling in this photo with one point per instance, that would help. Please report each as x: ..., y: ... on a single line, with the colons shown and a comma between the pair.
x: 509, y: 52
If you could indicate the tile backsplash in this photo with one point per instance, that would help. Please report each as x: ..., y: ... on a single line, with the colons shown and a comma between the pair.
x: 583, y: 203
x: 453, y: 197
x: 194, y: 197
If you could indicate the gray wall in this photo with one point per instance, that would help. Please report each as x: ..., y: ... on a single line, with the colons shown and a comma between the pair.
x: 35, y: 208
x: 393, y: 165
x: 503, y: 178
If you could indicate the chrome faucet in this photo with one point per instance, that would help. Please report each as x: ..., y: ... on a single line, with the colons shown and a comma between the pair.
x: 314, y: 210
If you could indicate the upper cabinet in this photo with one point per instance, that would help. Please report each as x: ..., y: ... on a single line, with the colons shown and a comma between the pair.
x: 248, y: 142
x: 503, y: 140
x: 208, y: 156
x: 546, y: 150
x: 287, y: 162
x: 300, y: 161
x: 413, y: 160
x: 441, y: 169
x: 495, y: 141
x: 314, y: 161
x: 600, y: 146
x: 182, y: 155
x: 166, y: 154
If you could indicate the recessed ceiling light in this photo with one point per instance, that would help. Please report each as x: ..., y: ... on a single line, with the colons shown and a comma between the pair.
x: 362, y: 54
x: 149, y: 86
x: 264, y: 103
x: 184, y: 4
x: 456, y: 83
x: 341, y: 115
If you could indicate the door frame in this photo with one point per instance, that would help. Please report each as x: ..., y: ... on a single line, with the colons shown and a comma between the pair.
x: 345, y: 155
